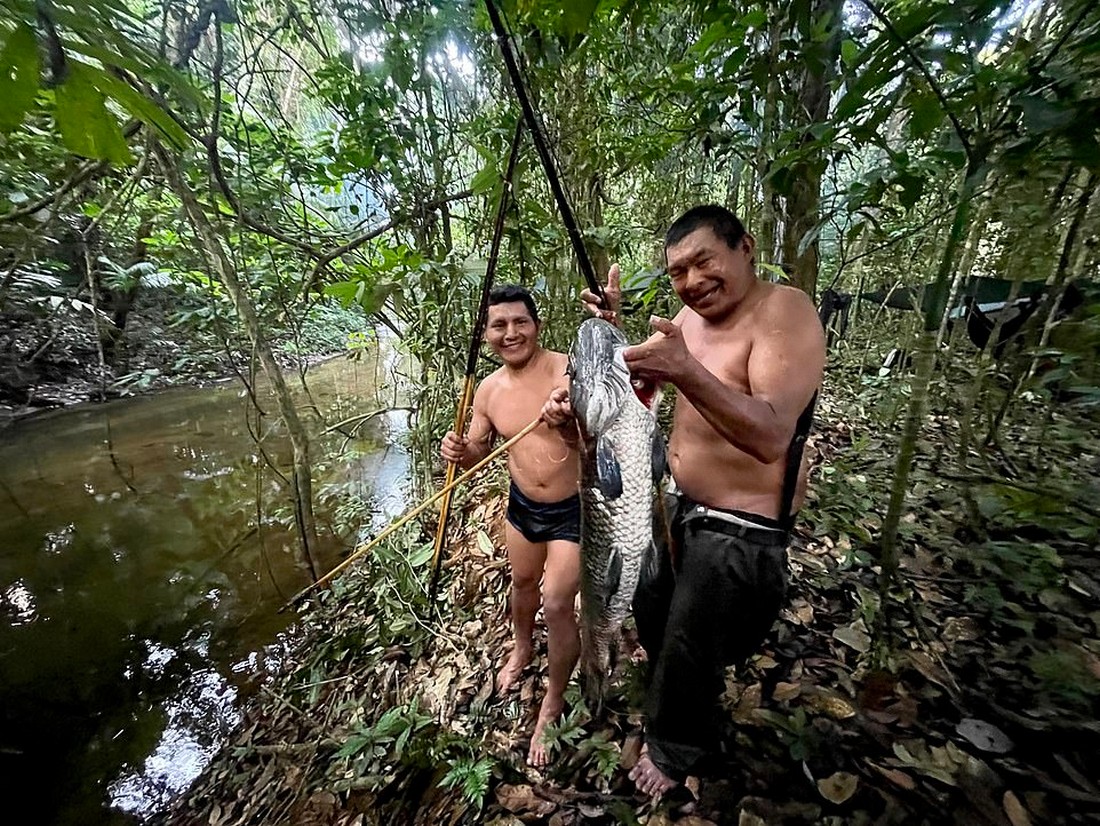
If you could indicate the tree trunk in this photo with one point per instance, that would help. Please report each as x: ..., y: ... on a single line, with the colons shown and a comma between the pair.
x: 299, y: 440
x: 811, y: 107
x: 924, y: 358
x: 767, y: 229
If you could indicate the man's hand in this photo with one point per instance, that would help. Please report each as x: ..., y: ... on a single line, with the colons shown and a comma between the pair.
x: 663, y: 356
x: 453, y: 448
x: 557, y: 411
x: 608, y: 311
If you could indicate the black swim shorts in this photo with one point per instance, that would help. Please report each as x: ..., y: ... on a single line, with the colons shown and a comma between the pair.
x: 544, y: 521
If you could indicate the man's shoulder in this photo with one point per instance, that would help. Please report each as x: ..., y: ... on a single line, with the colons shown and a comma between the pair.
x: 554, y: 358
x: 786, y: 307
x: 491, y: 382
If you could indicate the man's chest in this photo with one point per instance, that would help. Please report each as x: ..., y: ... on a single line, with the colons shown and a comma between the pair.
x: 724, y: 354
x: 516, y: 405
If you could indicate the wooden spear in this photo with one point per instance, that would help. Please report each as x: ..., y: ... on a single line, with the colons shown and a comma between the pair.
x: 431, y: 500
x: 471, y: 359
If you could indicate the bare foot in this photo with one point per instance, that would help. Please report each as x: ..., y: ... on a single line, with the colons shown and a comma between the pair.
x: 650, y: 780
x: 509, y: 674
x: 539, y: 754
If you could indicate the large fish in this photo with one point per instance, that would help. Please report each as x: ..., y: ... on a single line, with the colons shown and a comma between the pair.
x: 623, y: 458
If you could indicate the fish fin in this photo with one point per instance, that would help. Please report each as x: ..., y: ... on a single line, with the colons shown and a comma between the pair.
x: 608, y: 473
x: 658, y: 457
x: 614, y: 573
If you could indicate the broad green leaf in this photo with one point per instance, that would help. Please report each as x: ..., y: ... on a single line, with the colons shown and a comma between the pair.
x: 577, y: 16
x: 18, y: 77
x: 345, y: 291
x: 926, y: 114
x: 142, y: 108
x: 421, y: 555
x: 848, y: 105
x: 717, y: 32
x: 485, y: 543
x: 849, y: 51
x: 912, y: 187
x: 87, y: 127
x: 753, y: 19
x: 485, y: 180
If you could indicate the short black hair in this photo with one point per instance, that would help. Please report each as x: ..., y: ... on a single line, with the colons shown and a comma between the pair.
x: 508, y: 293
x: 721, y: 221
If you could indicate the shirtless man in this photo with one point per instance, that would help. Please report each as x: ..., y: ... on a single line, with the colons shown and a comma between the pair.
x: 542, y: 532
x: 745, y: 357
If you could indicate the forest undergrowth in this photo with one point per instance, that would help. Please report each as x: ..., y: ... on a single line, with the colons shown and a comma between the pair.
x: 969, y: 694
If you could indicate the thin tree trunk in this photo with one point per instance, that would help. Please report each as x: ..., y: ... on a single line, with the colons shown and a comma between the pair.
x: 925, y: 353
x: 764, y: 153
x: 812, y: 106
x: 299, y: 440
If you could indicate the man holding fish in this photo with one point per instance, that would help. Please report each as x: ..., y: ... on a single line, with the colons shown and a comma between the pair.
x: 745, y: 357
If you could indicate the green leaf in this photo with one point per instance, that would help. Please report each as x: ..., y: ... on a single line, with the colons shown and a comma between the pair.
x: 926, y: 114
x: 849, y: 51
x: 421, y: 555
x: 353, y: 745
x: 345, y: 291
x: 87, y: 127
x: 912, y: 187
x: 753, y: 19
x: 485, y: 543
x: 486, y: 179
x: 849, y: 104
x: 18, y: 77
x: 577, y: 16
x: 142, y: 108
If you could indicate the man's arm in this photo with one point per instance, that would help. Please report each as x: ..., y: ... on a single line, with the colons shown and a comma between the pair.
x: 467, y: 451
x: 785, y: 368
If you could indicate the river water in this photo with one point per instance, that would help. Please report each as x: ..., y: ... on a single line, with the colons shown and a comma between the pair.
x: 145, y: 547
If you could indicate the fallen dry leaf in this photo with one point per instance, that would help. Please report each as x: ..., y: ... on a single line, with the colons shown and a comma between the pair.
x: 895, y: 776
x: 786, y: 691
x: 1015, y: 811
x: 984, y: 736
x: 854, y: 637
x: 838, y: 787
x: 521, y: 799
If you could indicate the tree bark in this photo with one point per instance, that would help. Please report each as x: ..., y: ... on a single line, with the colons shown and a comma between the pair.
x: 811, y: 107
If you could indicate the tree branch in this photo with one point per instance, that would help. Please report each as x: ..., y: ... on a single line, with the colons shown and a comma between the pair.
x: 82, y: 174
x: 211, y: 142
x: 395, y: 221
x: 936, y: 90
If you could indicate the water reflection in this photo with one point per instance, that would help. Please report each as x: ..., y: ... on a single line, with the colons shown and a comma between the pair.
x: 19, y: 604
x: 144, y: 548
x: 200, y: 717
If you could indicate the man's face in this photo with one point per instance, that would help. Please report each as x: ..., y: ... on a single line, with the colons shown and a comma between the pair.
x: 512, y: 333
x: 709, y: 277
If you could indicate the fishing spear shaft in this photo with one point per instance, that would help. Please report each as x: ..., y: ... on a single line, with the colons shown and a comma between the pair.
x: 543, y: 149
x: 431, y: 500
x: 471, y: 358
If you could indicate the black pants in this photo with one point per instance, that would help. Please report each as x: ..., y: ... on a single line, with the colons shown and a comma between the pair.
x: 712, y: 611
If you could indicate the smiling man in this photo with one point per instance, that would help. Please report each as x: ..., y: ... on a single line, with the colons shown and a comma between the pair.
x: 543, y: 528
x: 746, y: 357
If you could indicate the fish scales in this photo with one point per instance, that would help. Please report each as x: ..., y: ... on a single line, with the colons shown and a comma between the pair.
x: 621, y: 446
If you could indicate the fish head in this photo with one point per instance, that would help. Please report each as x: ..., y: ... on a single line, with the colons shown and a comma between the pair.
x: 599, y: 378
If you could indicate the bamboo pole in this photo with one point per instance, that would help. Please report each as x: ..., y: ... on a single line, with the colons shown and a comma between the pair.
x: 431, y: 500
x: 471, y: 357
